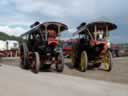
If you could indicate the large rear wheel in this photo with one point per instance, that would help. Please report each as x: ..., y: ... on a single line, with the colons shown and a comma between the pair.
x: 74, y: 55
x: 83, y: 61
x: 107, y: 61
x: 35, y: 62
x: 24, y: 56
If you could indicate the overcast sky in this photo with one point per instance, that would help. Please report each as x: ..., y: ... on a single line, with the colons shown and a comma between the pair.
x: 17, y: 15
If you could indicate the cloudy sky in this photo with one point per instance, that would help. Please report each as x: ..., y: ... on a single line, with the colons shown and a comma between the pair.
x: 17, y: 15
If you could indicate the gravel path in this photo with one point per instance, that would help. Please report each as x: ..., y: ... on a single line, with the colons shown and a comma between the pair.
x: 17, y: 82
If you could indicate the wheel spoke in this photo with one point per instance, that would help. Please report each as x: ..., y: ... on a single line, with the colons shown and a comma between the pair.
x: 83, y: 62
x: 107, y: 61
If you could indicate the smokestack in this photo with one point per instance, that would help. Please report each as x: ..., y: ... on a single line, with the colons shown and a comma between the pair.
x: 35, y: 24
x: 81, y: 25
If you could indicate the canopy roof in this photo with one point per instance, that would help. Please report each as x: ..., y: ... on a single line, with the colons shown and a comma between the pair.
x: 101, y: 25
x: 48, y: 25
x: 55, y: 25
x: 98, y: 25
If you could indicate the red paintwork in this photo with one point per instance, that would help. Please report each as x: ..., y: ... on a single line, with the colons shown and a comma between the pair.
x: 94, y: 43
x: 67, y: 48
x: 67, y: 51
x: 2, y: 55
x: 53, y: 41
x: 9, y: 53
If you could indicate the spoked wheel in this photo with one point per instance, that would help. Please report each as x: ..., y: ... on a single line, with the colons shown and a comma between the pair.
x: 83, y: 61
x: 35, y: 63
x: 24, y: 64
x: 74, y: 53
x: 107, y: 61
x: 60, y: 64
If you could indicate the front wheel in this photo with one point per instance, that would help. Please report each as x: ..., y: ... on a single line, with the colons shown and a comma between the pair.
x: 74, y: 54
x: 60, y: 64
x: 35, y: 63
x: 24, y: 64
x: 83, y: 61
x: 107, y: 61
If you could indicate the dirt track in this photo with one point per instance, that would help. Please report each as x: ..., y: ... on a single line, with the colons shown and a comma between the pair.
x: 118, y: 74
x: 17, y: 82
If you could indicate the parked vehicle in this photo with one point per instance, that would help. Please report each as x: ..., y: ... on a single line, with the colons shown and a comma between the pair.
x: 67, y: 47
x: 41, y: 46
x: 9, y: 48
x: 115, y: 48
x: 2, y: 54
x: 119, y: 50
x: 92, y: 46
